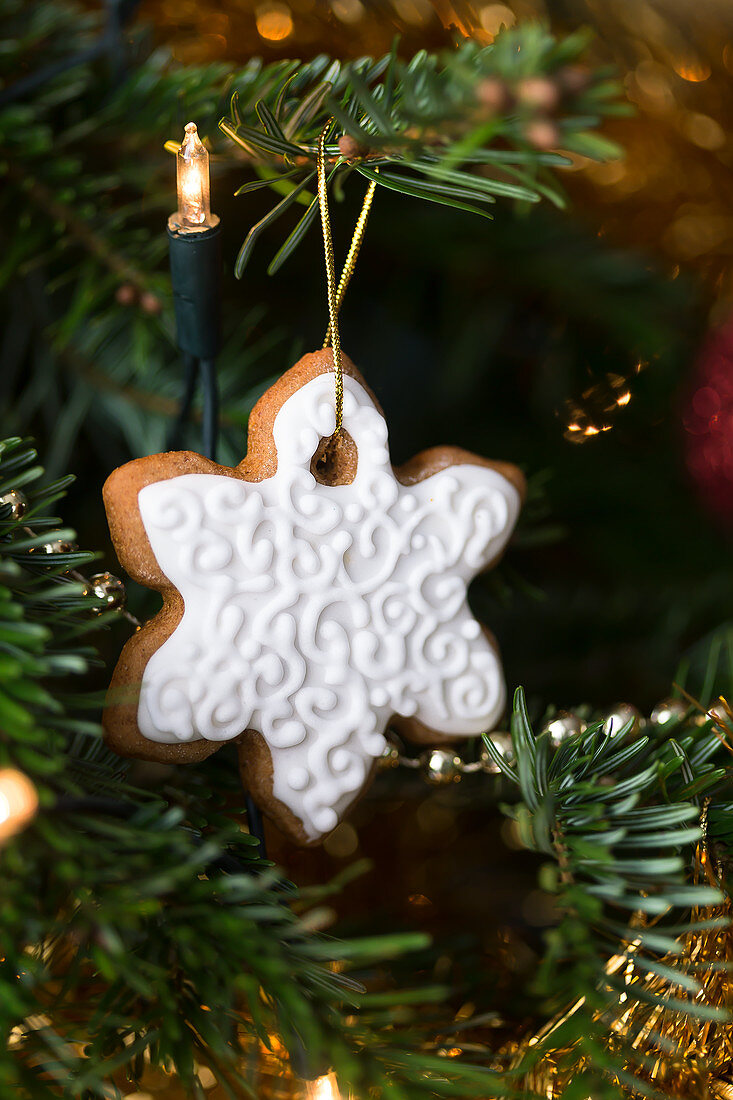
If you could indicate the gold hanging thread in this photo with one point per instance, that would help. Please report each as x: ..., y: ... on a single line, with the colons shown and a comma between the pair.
x: 336, y: 295
x: 350, y: 263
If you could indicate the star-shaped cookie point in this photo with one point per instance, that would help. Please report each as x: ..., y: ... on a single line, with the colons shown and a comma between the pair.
x: 301, y: 618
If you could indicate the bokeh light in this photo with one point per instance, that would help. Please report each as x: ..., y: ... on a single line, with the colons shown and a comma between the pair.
x: 18, y: 802
x: 274, y: 22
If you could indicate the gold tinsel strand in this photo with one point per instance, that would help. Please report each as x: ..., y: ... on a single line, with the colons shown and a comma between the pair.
x: 702, y: 1066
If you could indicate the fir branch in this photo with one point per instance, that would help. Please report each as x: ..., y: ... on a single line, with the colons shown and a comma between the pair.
x: 457, y: 128
x: 616, y: 816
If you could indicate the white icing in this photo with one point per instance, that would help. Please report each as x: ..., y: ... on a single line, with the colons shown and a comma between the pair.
x: 314, y: 613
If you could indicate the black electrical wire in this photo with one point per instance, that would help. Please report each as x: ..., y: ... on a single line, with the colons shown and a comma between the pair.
x: 191, y: 372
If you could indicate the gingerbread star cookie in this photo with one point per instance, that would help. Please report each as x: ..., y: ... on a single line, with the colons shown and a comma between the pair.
x: 312, y: 595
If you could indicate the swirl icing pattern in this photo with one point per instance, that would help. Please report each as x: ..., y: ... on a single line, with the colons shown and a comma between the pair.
x: 314, y: 613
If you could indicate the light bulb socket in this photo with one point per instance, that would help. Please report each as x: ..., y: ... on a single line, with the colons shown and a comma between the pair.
x: 195, y: 260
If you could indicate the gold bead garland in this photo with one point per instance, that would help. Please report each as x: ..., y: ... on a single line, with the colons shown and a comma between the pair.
x: 53, y: 546
x: 16, y: 501
x: 108, y: 589
x: 564, y: 724
x: 441, y: 766
x: 669, y: 712
x: 622, y: 716
x: 444, y: 767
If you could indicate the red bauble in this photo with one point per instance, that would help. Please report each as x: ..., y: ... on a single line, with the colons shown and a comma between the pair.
x: 708, y: 421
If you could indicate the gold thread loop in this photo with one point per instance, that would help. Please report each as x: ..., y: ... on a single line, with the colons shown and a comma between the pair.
x: 351, y: 259
x: 336, y: 295
x: 330, y: 276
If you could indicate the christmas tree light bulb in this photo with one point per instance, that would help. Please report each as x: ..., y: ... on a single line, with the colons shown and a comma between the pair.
x: 324, y: 1088
x: 18, y: 801
x: 192, y: 182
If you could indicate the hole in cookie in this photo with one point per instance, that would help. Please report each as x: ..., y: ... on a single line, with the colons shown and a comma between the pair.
x: 335, y: 460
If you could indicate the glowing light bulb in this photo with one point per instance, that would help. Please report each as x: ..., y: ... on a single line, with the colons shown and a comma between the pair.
x: 324, y: 1088
x: 274, y: 22
x: 18, y: 802
x: 192, y: 180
